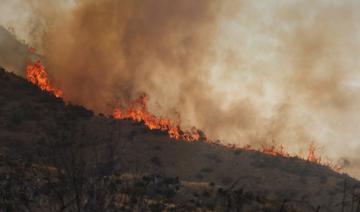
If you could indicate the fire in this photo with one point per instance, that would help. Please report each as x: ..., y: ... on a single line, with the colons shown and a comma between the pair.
x: 138, y: 111
x: 276, y: 151
x: 280, y: 151
x: 37, y: 75
x: 312, y: 156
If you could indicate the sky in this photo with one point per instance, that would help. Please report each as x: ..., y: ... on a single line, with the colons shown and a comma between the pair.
x: 271, y: 72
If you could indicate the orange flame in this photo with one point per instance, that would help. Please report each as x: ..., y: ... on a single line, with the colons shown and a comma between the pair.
x: 281, y: 152
x: 137, y: 111
x: 312, y: 156
x: 275, y: 151
x: 37, y: 75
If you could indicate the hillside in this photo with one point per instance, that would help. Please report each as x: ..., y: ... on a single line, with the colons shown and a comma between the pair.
x: 57, y: 156
x: 20, y: 53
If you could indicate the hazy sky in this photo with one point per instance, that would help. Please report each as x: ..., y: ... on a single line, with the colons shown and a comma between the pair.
x: 279, y: 71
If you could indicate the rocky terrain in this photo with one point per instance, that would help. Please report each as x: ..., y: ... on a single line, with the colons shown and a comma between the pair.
x: 55, y: 156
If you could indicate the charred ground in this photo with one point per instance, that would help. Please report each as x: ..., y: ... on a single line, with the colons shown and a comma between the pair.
x: 56, y: 156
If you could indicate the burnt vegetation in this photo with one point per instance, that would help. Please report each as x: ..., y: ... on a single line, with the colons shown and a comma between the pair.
x: 55, y: 156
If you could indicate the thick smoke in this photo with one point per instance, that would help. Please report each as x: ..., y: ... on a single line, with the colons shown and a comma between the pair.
x: 245, y: 72
x: 108, y: 52
x: 24, y: 22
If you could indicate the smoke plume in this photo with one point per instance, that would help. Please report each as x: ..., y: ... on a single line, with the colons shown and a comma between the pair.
x: 245, y: 72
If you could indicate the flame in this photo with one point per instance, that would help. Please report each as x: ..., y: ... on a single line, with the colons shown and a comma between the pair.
x: 138, y: 111
x: 275, y: 151
x: 280, y: 151
x: 37, y: 75
x: 312, y: 156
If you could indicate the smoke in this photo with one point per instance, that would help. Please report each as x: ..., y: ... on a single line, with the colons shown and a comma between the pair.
x: 14, y: 55
x: 297, y: 66
x: 245, y: 72
x: 24, y: 22
x: 127, y: 47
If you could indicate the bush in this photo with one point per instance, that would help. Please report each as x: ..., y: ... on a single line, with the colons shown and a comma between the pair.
x: 199, y: 176
x: 156, y: 161
x: 158, y: 206
x: 207, y: 170
x: 323, y: 179
x: 15, y: 118
x: 213, y: 157
x: 237, y: 152
x: 76, y: 111
x: 227, y: 180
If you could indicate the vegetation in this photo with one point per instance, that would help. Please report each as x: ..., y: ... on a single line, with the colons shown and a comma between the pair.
x: 56, y: 156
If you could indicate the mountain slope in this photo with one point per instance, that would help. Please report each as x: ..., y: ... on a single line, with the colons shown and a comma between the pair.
x: 40, y: 132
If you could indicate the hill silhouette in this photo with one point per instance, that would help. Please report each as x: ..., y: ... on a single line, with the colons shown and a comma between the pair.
x: 56, y: 156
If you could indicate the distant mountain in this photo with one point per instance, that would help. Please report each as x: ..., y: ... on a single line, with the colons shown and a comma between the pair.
x: 56, y: 156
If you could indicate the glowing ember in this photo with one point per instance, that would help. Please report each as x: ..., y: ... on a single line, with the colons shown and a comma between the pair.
x: 37, y: 75
x: 137, y: 111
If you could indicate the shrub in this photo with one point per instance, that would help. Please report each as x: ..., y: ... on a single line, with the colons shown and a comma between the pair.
x: 199, y: 176
x: 227, y: 180
x: 213, y: 157
x: 207, y: 170
x: 323, y: 179
x: 76, y: 111
x: 237, y: 152
x: 156, y: 161
x: 14, y: 119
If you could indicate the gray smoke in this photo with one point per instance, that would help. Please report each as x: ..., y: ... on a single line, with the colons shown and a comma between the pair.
x: 245, y: 72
